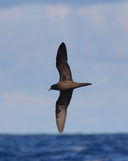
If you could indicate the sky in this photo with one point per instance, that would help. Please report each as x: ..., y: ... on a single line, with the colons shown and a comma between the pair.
x: 96, y: 37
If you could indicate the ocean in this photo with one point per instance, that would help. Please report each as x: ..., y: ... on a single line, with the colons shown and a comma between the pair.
x: 103, y: 147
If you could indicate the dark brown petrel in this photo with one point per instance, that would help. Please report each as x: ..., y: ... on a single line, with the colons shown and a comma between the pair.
x: 66, y: 85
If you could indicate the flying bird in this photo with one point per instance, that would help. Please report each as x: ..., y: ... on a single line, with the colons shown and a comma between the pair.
x: 66, y: 85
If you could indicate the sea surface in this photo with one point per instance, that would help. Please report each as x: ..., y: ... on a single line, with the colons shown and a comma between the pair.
x: 105, y: 147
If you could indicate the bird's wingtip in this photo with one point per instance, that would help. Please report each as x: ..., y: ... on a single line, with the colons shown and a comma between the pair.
x: 61, y: 112
x: 62, y: 48
x: 60, y: 128
x: 60, y: 132
x: 62, y: 44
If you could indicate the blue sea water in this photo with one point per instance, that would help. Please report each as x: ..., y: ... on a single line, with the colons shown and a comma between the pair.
x: 105, y: 147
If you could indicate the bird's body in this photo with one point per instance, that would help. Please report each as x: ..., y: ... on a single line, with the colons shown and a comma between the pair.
x: 66, y: 85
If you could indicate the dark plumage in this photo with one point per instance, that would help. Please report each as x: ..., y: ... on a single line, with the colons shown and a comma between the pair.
x: 66, y: 85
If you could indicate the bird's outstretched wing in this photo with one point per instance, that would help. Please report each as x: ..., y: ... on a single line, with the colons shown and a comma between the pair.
x: 62, y: 65
x: 61, y: 108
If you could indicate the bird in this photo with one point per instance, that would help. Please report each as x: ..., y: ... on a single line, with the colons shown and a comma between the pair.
x: 66, y: 85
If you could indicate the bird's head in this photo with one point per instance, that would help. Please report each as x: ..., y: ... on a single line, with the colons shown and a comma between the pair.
x: 53, y: 87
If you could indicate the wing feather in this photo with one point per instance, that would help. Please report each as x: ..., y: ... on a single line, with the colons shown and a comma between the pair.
x: 61, y: 108
x: 62, y: 64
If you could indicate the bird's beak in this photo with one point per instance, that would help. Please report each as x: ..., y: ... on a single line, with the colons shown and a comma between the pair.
x: 49, y: 89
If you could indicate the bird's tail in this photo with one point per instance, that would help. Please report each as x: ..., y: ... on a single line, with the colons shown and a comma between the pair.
x: 83, y: 84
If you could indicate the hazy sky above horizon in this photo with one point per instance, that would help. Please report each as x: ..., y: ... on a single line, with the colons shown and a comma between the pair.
x: 96, y: 37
